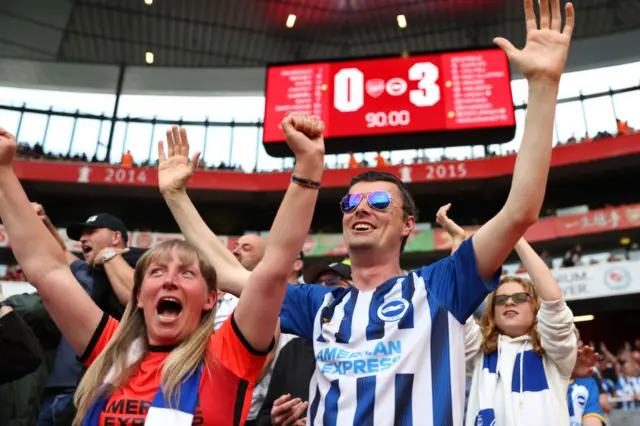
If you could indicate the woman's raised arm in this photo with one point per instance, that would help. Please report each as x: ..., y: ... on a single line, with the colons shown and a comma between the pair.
x: 555, y: 320
x: 41, y: 257
x: 174, y: 172
x: 259, y: 307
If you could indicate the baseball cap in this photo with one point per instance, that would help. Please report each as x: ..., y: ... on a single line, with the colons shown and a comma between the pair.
x: 100, y: 220
x: 313, y: 272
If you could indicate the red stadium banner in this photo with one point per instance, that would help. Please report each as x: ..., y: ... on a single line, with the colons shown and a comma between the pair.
x: 593, y: 222
x: 605, y: 220
x: 96, y: 174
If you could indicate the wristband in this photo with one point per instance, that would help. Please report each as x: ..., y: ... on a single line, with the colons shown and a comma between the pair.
x: 307, y: 183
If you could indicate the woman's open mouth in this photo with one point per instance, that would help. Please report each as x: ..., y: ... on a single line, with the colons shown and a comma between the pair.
x: 168, y: 308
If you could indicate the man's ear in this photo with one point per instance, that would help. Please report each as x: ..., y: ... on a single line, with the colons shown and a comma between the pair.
x: 117, y: 240
x: 409, y: 224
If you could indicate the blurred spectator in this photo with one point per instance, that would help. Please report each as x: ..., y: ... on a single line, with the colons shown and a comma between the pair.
x: 380, y: 161
x: 353, y: 163
x: 14, y: 273
x: 547, y: 259
x: 629, y: 387
x: 20, y: 352
x: 623, y: 128
x: 572, y: 257
x: 127, y: 160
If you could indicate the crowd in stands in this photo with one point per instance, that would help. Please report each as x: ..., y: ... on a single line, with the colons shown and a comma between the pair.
x: 36, y: 152
x: 619, y: 373
x: 13, y: 273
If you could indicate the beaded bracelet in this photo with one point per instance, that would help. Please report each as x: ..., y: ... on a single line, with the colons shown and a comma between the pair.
x: 307, y: 183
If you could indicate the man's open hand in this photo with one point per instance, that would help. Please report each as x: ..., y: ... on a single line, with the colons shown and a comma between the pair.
x: 545, y: 53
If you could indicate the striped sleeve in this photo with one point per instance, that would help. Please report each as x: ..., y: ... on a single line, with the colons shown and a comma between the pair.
x: 456, y: 283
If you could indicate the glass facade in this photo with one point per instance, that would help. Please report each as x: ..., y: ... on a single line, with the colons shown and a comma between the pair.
x: 228, y: 129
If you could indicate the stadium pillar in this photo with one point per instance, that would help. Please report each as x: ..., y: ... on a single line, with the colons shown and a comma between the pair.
x: 114, y: 116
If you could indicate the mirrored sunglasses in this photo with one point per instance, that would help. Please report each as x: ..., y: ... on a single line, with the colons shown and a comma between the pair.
x: 378, y: 200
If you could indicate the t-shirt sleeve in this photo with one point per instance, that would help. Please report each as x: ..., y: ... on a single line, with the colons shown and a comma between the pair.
x: 592, y: 408
x: 82, y: 272
x: 229, y: 347
x: 301, y: 303
x: 104, y: 332
x: 78, y: 266
x: 455, y: 282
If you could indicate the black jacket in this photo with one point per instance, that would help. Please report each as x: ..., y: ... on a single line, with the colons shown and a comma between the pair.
x: 20, y: 399
x: 291, y: 374
x: 102, y: 293
x: 20, y: 351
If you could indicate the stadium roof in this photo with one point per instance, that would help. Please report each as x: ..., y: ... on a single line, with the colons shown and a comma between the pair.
x: 239, y: 33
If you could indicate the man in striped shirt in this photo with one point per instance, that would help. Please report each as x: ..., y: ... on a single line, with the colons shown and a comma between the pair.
x: 391, y: 349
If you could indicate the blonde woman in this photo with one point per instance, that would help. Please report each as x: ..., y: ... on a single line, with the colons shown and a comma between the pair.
x: 163, y: 364
x: 522, y: 354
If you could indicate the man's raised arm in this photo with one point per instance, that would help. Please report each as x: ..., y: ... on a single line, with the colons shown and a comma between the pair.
x: 39, y: 209
x: 542, y: 62
x: 173, y: 175
x: 42, y: 258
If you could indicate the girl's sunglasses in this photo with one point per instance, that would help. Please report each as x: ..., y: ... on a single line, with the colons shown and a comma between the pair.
x: 379, y: 200
x: 516, y: 297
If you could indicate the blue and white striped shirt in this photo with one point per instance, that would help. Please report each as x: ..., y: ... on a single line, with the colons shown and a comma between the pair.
x: 393, y: 355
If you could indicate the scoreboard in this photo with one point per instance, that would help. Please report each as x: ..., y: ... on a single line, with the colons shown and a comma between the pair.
x: 422, y: 101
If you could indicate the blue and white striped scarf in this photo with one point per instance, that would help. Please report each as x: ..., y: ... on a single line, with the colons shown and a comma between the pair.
x: 528, y: 395
x: 159, y: 413
x: 488, y: 384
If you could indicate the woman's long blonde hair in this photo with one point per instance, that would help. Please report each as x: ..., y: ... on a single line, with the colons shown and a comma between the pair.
x: 181, y: 362
x: 490, y: 332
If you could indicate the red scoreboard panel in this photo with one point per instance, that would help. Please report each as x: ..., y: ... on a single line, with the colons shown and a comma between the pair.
x: 422, y: 101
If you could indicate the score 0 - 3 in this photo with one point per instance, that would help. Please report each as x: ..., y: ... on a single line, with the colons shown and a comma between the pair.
x: 350, y: 87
